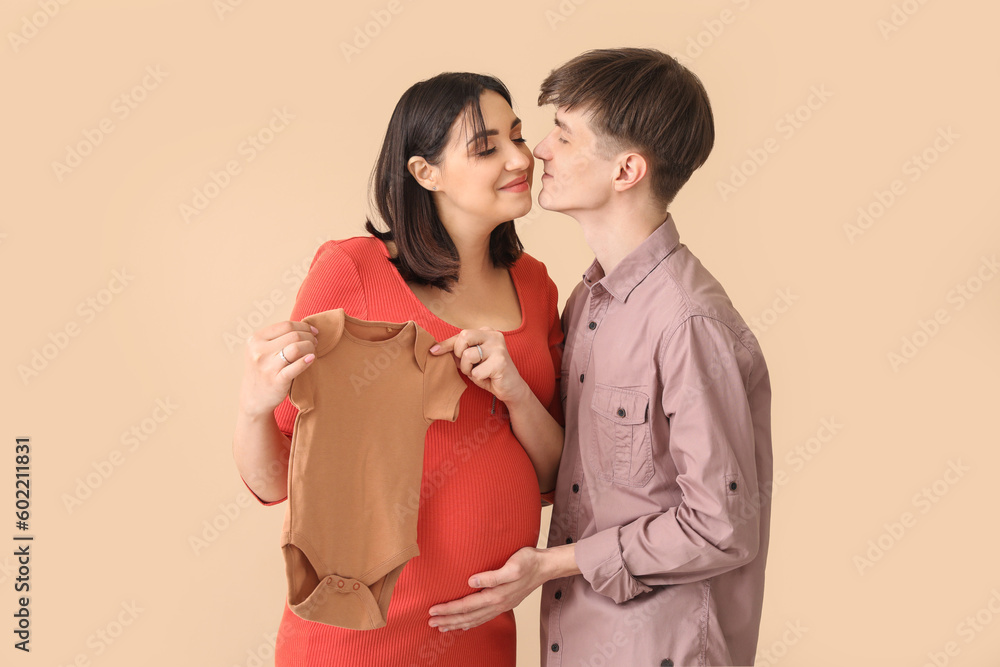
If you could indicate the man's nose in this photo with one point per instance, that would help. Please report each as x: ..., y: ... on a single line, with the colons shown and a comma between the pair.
x: 541, y: 150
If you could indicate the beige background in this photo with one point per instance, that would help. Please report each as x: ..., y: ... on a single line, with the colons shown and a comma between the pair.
x: 831, y: 302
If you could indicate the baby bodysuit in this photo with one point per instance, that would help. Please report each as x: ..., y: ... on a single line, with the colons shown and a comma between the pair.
x: 356, y: 457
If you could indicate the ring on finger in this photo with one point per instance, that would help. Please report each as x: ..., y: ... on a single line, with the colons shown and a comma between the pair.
x: 281, y: 353
x: 480, y: 348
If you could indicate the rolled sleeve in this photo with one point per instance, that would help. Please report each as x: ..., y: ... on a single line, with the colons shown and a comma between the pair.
x: 600, y: 560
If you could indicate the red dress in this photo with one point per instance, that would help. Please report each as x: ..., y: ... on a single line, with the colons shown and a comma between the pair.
x: 479, y: 500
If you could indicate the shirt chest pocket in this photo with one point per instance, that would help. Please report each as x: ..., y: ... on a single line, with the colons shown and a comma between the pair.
x: 621, y: 451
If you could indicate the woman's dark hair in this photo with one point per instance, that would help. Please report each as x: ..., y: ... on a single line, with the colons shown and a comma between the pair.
x: 419, y: 126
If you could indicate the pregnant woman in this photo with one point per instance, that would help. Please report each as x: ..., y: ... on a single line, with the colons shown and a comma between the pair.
x: 452, y: 175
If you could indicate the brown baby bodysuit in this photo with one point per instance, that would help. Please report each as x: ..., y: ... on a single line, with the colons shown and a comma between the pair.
x: 356, y: 455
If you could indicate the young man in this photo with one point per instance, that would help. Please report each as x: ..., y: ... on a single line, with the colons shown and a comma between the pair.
x: 661, y: 512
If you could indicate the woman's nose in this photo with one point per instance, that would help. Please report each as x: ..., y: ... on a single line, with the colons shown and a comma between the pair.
x: 520, y: 159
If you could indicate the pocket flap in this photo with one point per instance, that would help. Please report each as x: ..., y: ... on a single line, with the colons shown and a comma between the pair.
x: 624, y: 406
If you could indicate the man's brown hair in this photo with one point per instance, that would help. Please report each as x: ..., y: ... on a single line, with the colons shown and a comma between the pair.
x: 641, y: 100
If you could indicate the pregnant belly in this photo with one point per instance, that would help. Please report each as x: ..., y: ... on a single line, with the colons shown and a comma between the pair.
x: 479, y: 503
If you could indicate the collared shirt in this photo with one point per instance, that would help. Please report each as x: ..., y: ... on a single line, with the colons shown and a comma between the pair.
x: 665, y: 477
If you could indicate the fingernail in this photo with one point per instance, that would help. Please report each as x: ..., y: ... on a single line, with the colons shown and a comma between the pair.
x: 434, y: 613
x: 435, y: 348
x: 433, y: 625
x: 309, y: 357
x: 475, y: 582
x: 443, y: 629
x: 315, y: 330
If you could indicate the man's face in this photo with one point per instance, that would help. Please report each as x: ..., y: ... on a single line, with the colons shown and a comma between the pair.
x: 577, y: 178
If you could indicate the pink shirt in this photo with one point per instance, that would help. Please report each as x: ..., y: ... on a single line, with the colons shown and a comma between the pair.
x: 665, y: 478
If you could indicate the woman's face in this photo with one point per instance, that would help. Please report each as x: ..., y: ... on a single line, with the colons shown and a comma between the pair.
x: 484, y: 184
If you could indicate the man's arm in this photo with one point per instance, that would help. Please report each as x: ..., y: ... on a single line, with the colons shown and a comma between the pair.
x: 706, y: 370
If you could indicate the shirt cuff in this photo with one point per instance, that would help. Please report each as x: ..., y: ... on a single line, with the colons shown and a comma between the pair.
x: 599, y: 558
x: 262, y: 502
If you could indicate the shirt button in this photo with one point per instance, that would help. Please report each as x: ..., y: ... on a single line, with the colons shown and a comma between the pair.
x: 569, y: 540
x: 592, y: 325
x: 732, y: 486
x: 666, y: 662
x: 555, y: 648
x: 576, y: 488
x: 621, y: 412
x: 558, y: 594
x: 581, y: 377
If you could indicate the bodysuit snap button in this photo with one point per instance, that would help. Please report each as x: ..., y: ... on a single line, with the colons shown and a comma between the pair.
x: 357, y: 586
x: 340, y: 584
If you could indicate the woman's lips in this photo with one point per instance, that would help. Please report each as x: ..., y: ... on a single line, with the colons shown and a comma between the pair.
x: 519, y: 185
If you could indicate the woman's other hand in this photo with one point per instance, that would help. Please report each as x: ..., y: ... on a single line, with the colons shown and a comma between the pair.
x: 482, y: 355
x: 267, y: 376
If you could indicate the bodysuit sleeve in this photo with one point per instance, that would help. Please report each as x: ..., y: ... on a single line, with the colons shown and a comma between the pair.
x: 443, y: 387
x: 332, y: 282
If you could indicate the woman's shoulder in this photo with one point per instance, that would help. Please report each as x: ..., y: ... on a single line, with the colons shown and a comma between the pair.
x: 359, y: 251
x: 533, y: 279
x: 355, y: 247
x: 529, y: 266
x: 532, y: 271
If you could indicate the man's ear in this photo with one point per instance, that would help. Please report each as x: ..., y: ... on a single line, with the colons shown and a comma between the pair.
x: 632, y: 168
x: 423, y: 171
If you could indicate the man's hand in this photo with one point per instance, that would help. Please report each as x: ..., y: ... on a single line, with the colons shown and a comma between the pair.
x: 503, y: 589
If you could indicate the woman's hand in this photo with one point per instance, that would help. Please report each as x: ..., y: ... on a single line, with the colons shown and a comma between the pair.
x: 483, y: 356
x: 267, y: 376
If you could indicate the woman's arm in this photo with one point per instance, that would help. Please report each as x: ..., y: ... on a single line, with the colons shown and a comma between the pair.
x: 539, y: 434
x: 260, y: 449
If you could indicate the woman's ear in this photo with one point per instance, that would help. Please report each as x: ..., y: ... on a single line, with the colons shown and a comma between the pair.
x: 424, y: 173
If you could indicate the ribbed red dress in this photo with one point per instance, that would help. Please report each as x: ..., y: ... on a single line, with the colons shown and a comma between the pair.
x: 479, y: 499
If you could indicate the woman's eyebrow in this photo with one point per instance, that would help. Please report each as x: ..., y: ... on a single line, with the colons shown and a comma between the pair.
x: 492, y: 133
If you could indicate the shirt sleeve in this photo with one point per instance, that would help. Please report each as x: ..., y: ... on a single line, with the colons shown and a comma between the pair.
x: 332, y: 282
x: 706, y: 370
